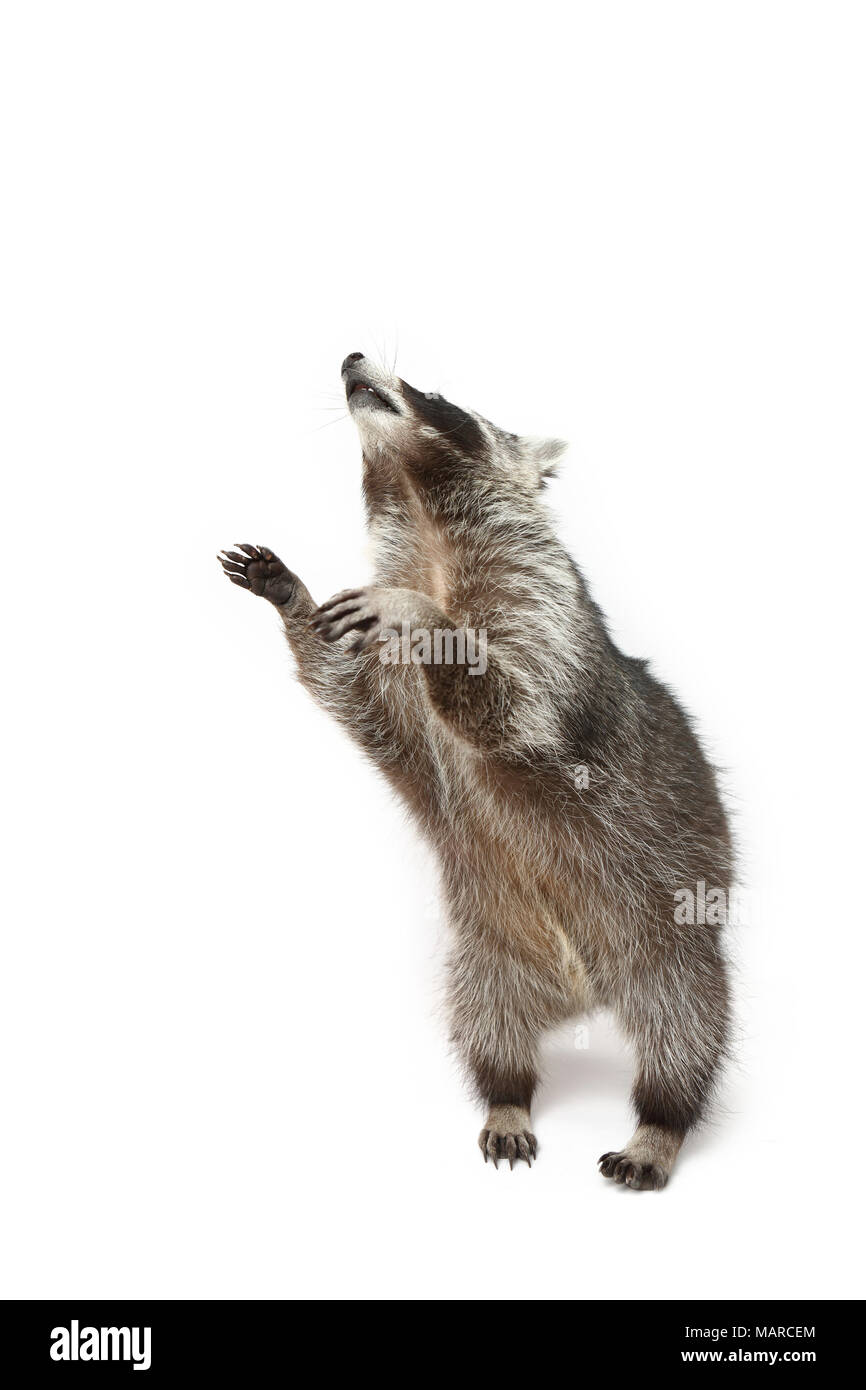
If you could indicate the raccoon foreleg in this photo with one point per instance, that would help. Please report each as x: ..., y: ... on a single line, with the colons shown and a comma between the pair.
x: 467, y: 688
x: 343, y: 686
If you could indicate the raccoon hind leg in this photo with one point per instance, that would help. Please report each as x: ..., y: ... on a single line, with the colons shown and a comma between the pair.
x: 678, y: 1021
x: 495, y: 1032
x: 505, y: 1078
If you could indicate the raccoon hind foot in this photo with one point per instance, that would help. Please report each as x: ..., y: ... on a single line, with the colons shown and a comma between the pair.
x: 646, y: 1161
x: 506, y: 1134
x: 643, y: 1177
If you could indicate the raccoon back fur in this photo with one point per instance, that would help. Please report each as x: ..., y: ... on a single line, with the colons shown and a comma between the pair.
x: 561, y: 785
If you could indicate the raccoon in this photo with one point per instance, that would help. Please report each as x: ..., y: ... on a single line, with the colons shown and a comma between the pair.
x: 562, y: 786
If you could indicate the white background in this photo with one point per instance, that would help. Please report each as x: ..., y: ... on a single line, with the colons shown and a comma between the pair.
x: 641, y: 227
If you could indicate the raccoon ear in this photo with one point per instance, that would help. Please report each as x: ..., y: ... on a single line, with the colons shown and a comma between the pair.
x: 543, y: 454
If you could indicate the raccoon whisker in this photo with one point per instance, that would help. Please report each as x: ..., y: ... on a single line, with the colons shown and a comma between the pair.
x: 336, y: 421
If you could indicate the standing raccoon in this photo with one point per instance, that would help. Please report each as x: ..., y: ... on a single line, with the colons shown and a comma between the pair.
x: 562, y: 786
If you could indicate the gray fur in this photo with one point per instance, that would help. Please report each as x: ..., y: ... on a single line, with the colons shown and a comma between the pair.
x: 560, y: 896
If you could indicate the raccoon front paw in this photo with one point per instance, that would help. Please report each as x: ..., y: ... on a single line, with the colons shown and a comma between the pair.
x: 367, y: 612
x: 506, y: 1134
x: 352, y: 610
x: 261, y: 571
x: 625, y: 1167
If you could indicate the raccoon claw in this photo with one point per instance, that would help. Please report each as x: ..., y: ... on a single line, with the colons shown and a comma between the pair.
x: 494, y: 1145
x: 258, y: 569
x: 349, y: 611
x: 642, y: 1177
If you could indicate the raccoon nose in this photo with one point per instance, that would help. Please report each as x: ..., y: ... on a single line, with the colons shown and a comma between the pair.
x: 353, y: 357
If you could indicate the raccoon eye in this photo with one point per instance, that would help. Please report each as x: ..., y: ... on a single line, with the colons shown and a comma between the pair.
x: 432, y: 396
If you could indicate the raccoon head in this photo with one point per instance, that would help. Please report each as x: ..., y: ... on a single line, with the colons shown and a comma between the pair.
x: 421, y: 437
